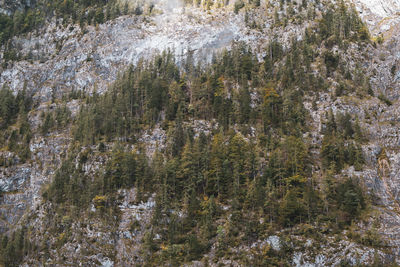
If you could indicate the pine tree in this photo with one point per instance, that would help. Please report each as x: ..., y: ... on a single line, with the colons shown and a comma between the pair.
x: 271, y: 108
x: 215, y: 173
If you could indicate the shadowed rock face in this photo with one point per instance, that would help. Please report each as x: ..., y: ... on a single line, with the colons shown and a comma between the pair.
x: 10, y: 6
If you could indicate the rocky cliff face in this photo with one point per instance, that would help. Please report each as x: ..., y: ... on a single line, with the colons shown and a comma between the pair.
x: 380, y: 15
x: 383, y: 178
x: 58, y: 60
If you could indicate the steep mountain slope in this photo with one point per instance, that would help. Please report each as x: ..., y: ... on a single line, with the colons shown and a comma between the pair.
x: 383, y: 18
x: 299, y: 77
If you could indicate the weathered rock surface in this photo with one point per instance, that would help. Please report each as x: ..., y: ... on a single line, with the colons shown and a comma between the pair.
x: 64, y: 59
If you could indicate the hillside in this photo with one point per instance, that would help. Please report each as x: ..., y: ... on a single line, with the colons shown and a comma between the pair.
x: 199, y: 133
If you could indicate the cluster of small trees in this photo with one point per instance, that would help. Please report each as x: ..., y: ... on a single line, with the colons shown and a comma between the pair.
x: 20, y: 22
x: 13, y: 248
x: 57, y: 119
x: 14, y: 111
x: 148, y: 93
x: 79, y: 11
x: 340, y: 23
x: 341, y: 143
